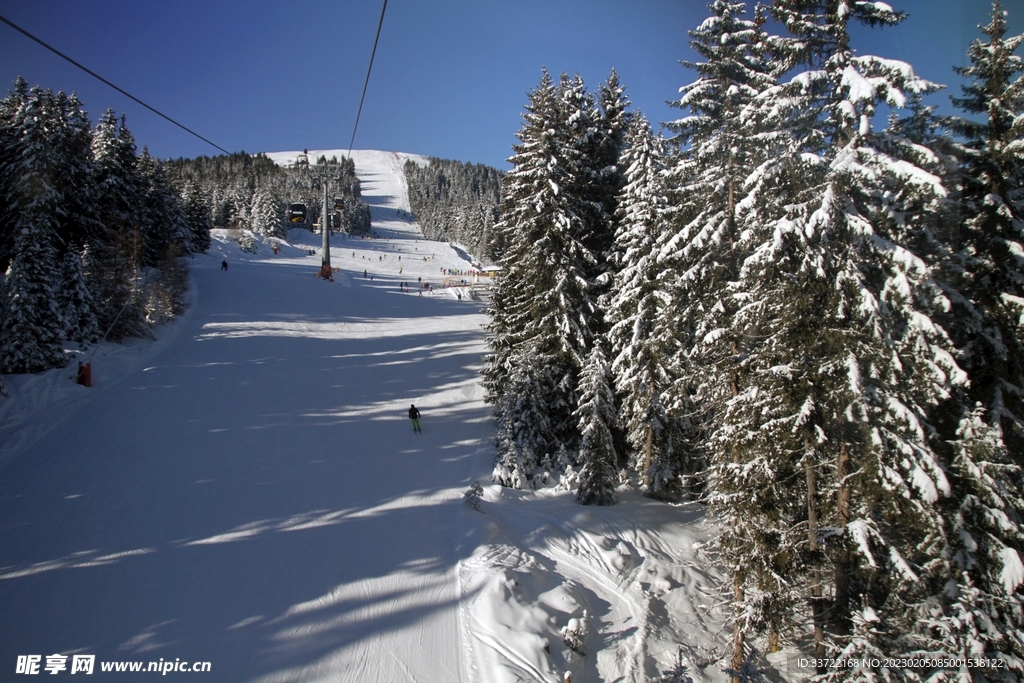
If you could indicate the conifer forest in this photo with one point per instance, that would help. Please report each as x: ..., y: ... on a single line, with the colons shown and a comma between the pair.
x: 802, y: 304
x: 94, y: 234
x: 455, y: 202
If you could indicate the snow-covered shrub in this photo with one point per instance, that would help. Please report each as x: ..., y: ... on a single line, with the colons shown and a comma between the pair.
x: 247, y: 242
x: 543, y: 477
x: 574, y: 633
x: 473, y: 496
x: 568, y: 478
x: 679, y: 671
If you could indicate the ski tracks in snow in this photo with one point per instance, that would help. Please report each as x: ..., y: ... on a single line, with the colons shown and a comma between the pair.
x: 247, y: 490
x: 634, y: 570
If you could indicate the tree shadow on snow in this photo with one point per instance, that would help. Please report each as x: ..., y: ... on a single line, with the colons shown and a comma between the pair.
x: 255, y: 498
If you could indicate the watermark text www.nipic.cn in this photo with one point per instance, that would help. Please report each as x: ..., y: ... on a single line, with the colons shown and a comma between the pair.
x: 86, y: 664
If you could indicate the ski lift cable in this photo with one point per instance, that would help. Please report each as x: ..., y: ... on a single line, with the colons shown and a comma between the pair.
x: 367, y: 81
x: 100, y: 78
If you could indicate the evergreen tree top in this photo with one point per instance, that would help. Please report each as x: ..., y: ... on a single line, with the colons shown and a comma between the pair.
x: 993, y: 87
x: 819, y: 27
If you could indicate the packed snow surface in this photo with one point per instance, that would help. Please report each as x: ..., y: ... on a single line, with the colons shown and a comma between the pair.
x: 246, y: 490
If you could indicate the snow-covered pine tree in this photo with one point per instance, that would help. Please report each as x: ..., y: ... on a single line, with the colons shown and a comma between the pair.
x: 265, y: 215
x: 845, y: 361
x: 977, y: 611
x: 591, y: 144
x: 544, y: 305
x: 224, y: 212
x: 518, y: 398
x: 93, y: 278
x: 990, y: 249
x: 241, y: 199
x: 972, y: 613
x: 9, y: 107
x: 524, y: 427
x: 180, y: 230
x: 164, y: 225
x: 30, y: 340
x: 597, y: 419
x: 76, y: 182
x: 118, y: 251
x: 517, y: 230
x: 976, y: 582
x: 197, y: 213
x: 76, y: 302
x: 167, y: 236
x: 612, y: 123
x: 642, y: 345
x: 727, y: 155
x: 33, y: 327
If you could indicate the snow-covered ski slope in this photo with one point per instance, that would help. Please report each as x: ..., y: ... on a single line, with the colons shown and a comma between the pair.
x: 247, y: 491
x: 381, y: 179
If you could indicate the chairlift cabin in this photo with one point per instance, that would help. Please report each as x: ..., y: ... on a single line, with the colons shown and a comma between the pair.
x: 339, y: 203
x: 297, y: 213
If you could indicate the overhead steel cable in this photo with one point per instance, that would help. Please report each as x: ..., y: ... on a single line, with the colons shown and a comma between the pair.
x: 367, y: 81
x: 123, y: 92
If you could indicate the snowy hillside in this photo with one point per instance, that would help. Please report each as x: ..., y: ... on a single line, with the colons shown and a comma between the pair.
x: 247, y: 491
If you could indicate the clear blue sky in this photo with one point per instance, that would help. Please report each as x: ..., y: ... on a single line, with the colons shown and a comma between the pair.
x: 450, y: 78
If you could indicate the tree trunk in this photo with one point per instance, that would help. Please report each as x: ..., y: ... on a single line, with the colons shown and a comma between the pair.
x: 842, y: 578
x: 737, y: 634
x: 649, y: 456
x: 812, y: 544
x: 738, y: 593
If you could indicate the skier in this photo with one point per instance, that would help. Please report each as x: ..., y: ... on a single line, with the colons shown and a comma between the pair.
x: 414, y: 415
x: 224, y: 264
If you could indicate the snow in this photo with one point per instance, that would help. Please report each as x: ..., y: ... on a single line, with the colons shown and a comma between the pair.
x: 1016, y: 249
x: 858, y: 88
x: 861, y: 532
x: 1012, y: 573
x: 246, y: 490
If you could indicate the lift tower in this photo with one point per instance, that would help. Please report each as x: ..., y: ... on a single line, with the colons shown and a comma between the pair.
x: 326, y: 173
x: 325, y: 228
